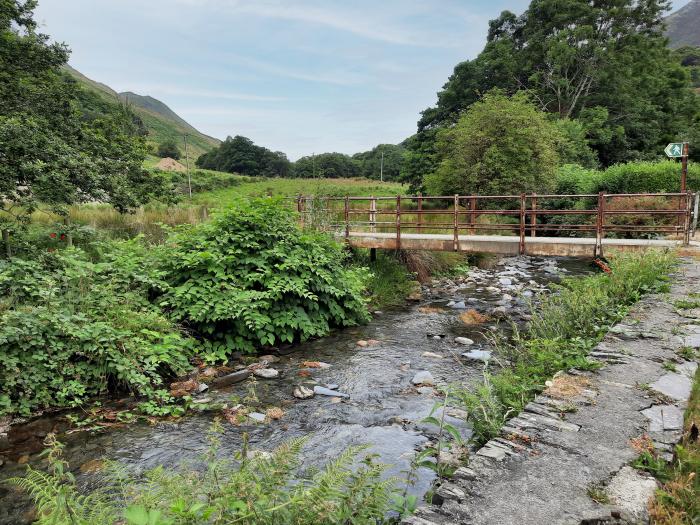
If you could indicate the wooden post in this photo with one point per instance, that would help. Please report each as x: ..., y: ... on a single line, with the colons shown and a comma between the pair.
x: 472, y: 215
x: 598, y: 252
x: 420, y: 213
x: 6, y: 242
x: 373, y: 214
x: 455, y: 240
x: 533, y: 217
x: 398, y: 222
x: 347, y: 217
x: 688, y: 204
x: 69, y: 233
x: 522, y: 224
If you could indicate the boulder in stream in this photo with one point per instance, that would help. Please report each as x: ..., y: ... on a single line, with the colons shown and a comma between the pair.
x: 302, y: 392
x: 423, y: 378
x: 464, y: 341
x: 323, y: 391
x: 266, y: 373
x: 231, y: 379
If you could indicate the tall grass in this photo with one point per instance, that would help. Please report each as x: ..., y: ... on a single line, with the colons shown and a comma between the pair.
x: 566, y: 325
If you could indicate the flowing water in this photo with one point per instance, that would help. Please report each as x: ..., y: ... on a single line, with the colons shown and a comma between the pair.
x: 383, y: 410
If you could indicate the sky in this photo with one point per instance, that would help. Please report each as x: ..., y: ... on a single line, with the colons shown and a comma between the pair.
x: 298, y: 76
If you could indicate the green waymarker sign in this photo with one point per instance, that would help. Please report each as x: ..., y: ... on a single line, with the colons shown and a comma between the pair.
x: 675, y: 149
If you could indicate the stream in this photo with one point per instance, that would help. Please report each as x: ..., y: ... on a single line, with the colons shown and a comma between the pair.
x: 383, y: 410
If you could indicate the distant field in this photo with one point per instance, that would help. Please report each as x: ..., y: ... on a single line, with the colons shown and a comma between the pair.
x: 292, y: 187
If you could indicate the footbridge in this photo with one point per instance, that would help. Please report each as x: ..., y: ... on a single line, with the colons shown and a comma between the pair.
x: 570, y: 225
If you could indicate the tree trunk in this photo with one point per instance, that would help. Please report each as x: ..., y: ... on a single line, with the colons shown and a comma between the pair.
x: 6, y: 242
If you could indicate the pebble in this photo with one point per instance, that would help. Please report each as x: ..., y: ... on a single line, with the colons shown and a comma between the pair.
x: 464, y: 341
x: 423, y: 378
x: 505, y: 281
x: 266, y: 373
x: 425, y: 390
x: 257, y: 417
x: 431, y: 354
x: 459, y: 305
x: 269, y: 359
x: 231, y: 379
x: 302, y: 392
x: 478, y: 355
x: 332, y: 386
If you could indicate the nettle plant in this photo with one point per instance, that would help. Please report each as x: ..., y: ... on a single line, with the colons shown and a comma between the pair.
x: 251, y: 277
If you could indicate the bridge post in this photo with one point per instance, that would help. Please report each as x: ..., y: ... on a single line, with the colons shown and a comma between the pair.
x: 420, y: 213
x: 373, y: 213
x: 686, y: 233
x: 522, y: 224
x: 472, y: 215
x: 533, y: 217
x: 398, y: 222
x: 600, y: 226
x: 300, y: 210
x: 455, y: 240
x: 347, y: 217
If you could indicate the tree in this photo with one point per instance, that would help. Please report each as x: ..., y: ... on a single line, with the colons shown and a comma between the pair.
x: 574, y: 55
x: 501, y: 146
x: 169, y: 149
x: 371, y: 163
x: 240, y: 155
x: 50, y: 153
x: 327, y: 166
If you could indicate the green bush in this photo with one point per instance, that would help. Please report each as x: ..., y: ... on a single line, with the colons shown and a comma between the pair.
x: 251, y: 277
x: 71, y: 329
x: 203, y: 180
x: 647, y: 177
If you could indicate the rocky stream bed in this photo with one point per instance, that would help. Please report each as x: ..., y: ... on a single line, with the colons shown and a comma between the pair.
x: 373, y: 386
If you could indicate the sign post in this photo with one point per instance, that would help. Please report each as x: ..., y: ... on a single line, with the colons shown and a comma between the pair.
x: 679, y: 149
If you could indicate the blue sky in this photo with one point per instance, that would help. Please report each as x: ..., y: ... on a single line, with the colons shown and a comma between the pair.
x: 299, y: 76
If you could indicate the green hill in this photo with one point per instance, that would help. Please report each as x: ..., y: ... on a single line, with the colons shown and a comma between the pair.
x: 683, y: 26
x: 161, y: 122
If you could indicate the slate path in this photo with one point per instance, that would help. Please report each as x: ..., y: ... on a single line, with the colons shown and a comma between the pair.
x: 549, y: 458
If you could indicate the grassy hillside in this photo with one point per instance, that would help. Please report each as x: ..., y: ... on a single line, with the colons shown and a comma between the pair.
x: 683, y: 26
x: 161, y: 122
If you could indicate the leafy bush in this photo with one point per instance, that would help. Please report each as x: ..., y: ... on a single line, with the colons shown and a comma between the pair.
x: 250, y: 277
x: 647, y: 177
x: 71, y: 328
x: 257, y: 490
x: 204, y: 180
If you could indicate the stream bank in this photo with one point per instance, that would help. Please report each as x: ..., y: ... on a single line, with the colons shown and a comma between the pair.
x: 566, y: 458
x: 384, y: 407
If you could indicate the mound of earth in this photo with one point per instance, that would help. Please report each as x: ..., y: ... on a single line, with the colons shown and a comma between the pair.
x: 168, y: 164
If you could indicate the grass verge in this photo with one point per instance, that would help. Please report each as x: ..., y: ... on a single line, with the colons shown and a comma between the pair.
x: 565, y: 326
x: 678, y: 500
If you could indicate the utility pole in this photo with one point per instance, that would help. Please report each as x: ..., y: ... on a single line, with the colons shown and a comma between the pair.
x: 187, y: 167
x: 313, y: 165
x: 381, y: 169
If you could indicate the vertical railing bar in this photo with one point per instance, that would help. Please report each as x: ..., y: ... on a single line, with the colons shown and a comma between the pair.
x: 455, y: 241
x: 373, y: 213
x: 686, y: 235
x: 472, y: 215
x: 598, y: 251
x: 522, y: 224
x: 533, y: 217
x: 347, y: 217
x: 398, y: 222
x: 420, y: 213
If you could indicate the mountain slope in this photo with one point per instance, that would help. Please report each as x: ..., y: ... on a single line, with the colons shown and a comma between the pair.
x: 683, y: 26
x: 161, y: 122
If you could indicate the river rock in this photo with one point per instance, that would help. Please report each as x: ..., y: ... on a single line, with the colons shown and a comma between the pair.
x: 423, y: 378
x: 202, y: 387
x: 302, y: 392
x: 269, y: 359
x: 506, y: 298
x: 332, y: 386
x: 231, y: 379
x: 464, y: 341
x: 504, y: 281
x: 459, y: 305
x: 477, y: 355
x: 323, y: 391
x: 257, y: 417
x: 431, y: 354
x: 425, y: 390
x: 527, y: 293
x: 266, y: 373
x: 492, y: 289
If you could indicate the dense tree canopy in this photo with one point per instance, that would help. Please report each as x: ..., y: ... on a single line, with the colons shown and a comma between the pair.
x: 50, y: 152
x: 370, y: 162
x: 240, y: 155
x: 604, y: 63
x: 168, y: 149
x: 500, y: 146
x: 327, y: 166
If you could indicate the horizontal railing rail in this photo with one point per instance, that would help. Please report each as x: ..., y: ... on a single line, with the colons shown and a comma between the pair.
x: 524, y: 215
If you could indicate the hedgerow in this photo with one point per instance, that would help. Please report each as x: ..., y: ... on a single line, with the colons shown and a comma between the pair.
x: 251, y: 277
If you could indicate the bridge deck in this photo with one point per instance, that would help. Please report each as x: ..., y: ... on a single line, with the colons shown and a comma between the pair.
x: 507, y: 244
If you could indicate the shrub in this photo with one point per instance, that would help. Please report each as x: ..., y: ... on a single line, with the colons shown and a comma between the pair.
x: 250, y: 277
x: 647, y: 177
x: 257, y: 490
x: 71, y: 328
